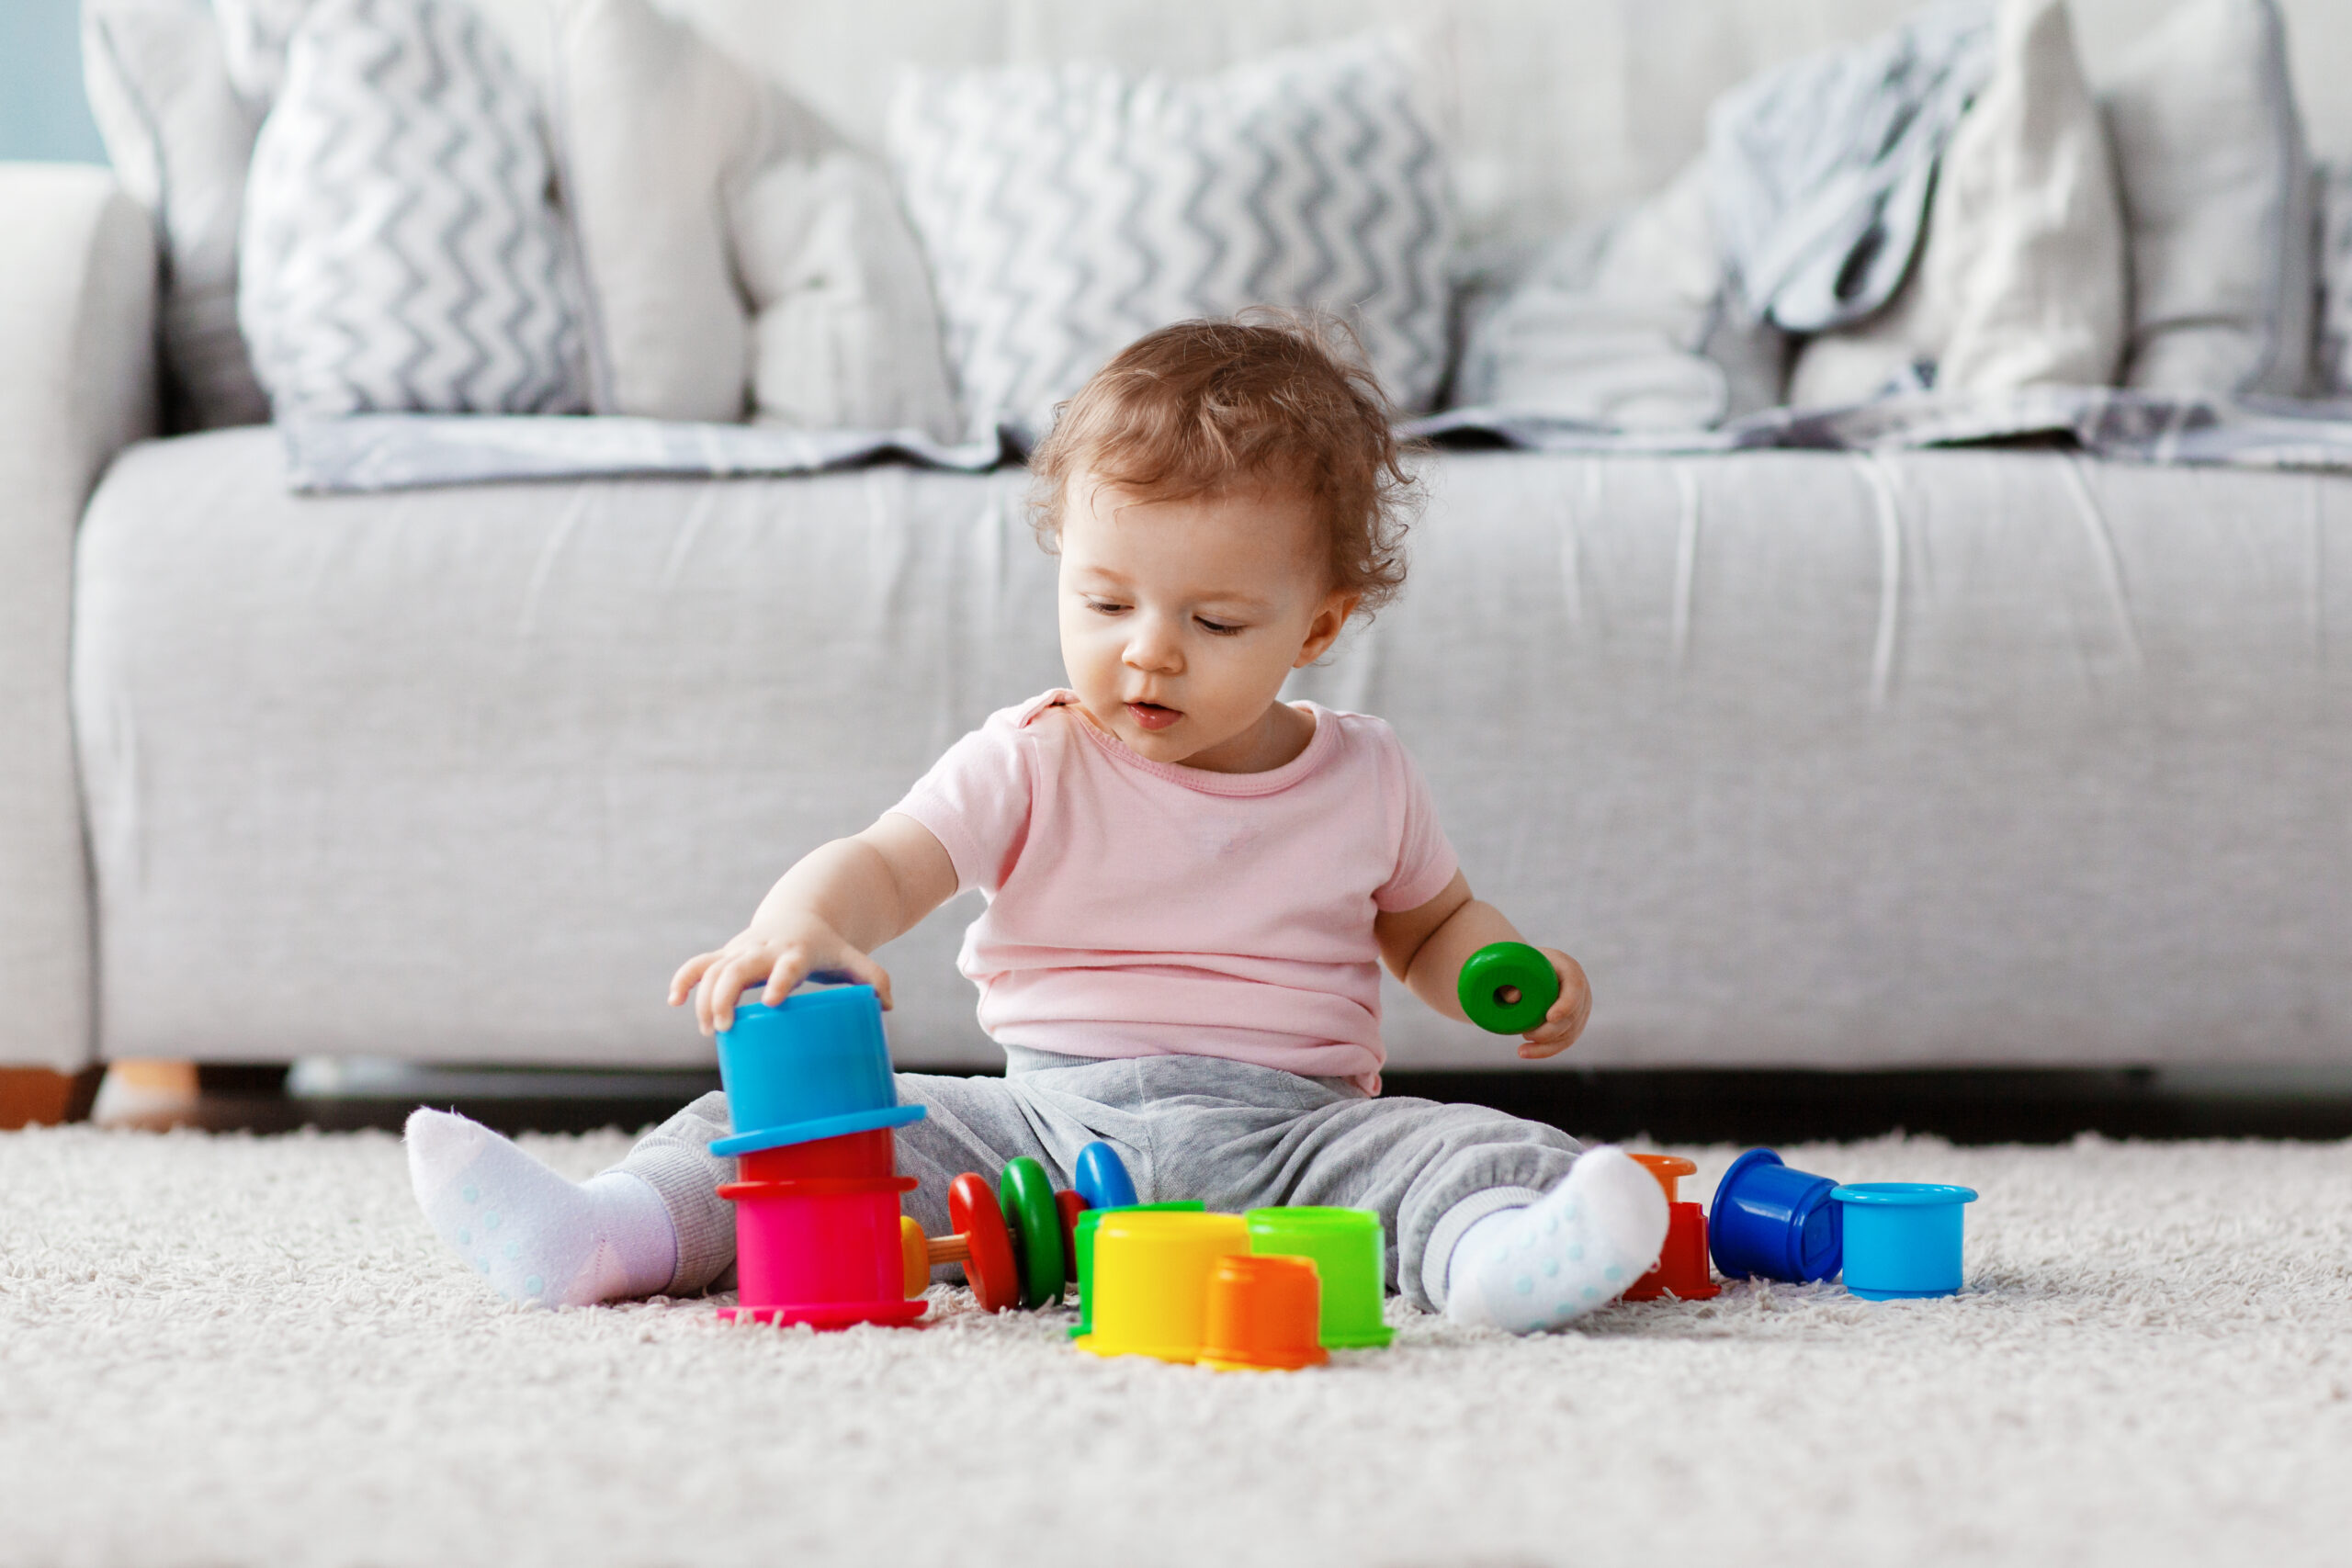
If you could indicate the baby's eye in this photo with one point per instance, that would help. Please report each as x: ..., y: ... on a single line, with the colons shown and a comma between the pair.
x: 1214, y: 628
x: 1104, y: 606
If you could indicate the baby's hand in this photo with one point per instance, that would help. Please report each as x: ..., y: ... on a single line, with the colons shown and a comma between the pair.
x: 780, y: 958
x: 1565, y: 1018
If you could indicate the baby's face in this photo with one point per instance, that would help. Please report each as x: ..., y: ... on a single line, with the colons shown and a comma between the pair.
x: 1180, y: 619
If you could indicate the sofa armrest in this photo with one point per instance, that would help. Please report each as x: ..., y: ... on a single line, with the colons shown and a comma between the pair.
x: 77, y: 384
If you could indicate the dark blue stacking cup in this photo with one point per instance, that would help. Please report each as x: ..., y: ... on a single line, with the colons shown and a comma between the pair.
x: 1772, y: 1223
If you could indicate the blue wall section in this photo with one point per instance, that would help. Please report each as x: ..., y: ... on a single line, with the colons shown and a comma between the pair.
x: 42, y: 112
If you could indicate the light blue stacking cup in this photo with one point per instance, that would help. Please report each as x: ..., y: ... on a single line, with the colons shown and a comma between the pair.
x: 815, y: 1066
x: 1902, y: 1238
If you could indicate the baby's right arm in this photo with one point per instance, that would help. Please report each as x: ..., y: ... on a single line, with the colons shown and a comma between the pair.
x: 829, y: 912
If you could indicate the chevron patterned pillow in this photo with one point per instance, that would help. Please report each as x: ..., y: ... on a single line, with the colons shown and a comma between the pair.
x: 400, y: 251
x: 1067, y: 211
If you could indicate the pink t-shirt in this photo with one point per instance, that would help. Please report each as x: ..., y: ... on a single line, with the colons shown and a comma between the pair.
x: 1137, y: 909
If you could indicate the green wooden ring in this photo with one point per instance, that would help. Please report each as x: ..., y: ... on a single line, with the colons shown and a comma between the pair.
x: 1028, y: 1195
x: 1495, y: 970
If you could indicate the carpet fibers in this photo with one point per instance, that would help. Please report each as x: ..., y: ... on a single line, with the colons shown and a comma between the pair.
x: 224, y: 1349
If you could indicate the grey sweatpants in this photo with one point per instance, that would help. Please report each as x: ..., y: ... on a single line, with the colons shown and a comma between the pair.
x: 1232, y: 1134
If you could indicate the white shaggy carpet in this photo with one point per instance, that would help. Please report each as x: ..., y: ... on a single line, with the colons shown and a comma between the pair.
x: 235, y: 1350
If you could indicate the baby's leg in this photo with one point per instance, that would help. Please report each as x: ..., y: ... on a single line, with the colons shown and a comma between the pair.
x: 534, y: 1237
x: 976, y: 1124
x: 655, y: 1223
x: 1497, y: 1220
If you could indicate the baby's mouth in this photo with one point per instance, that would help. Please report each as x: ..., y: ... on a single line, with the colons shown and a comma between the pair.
x: 1151, y: 715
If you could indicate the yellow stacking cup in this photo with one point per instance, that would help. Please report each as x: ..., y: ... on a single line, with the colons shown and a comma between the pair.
x: 1151, y: 1281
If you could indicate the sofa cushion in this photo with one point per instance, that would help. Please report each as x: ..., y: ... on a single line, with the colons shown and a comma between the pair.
x: 256, y: 37
x: 179, y: 138
x: 1812, y: 759
x: 1625, y: 325
x: 2217, y: 192
x: 402, y: 251
x: 1067, y: 212
x: 740, y: 256
x: 2332, y: 366
x: 2022, y: 280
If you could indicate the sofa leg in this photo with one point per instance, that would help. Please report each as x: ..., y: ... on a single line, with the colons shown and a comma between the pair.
x: 36, y: 1096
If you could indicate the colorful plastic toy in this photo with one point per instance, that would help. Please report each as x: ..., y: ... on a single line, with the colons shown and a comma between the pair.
x: 1263, y: 1315
x: 1015, y: 1252
x: 1903, y: 1238
x: 819, y: 1250
x: 1101, y: 1182
x: 1775, y: 1223
x: 809, y: 1090
x: 1506, y: 988
x: 819, y: 1235
x: 1151, y: 1281
x: 1083, y: 1248
x: 1681, y: 1270
x: 1350, y: 1254
x: 814, y: 1066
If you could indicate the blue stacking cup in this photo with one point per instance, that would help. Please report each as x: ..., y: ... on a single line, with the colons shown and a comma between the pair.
x: 1773, y: 1222
x: 815, y: 1066
x: 1902, y: 1238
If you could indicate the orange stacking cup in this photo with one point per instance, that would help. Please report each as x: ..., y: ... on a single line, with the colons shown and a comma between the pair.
x: 1151, y: 1281
x: 1682, y: 1272
x: 1264, y: 1314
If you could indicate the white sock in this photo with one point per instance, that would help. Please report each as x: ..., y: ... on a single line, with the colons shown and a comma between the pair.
x: 537, y: 1237
x: 1576, y: 1248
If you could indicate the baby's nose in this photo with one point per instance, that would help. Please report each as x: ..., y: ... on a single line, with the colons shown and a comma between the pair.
x: 1152, y: 648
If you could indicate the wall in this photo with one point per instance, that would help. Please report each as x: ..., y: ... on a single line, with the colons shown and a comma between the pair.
x: 42, y: 115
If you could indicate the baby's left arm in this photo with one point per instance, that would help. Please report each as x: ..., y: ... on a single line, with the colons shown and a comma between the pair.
x: 1426, y: 948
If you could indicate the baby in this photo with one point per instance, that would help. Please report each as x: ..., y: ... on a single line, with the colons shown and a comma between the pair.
x: 1190, y: 885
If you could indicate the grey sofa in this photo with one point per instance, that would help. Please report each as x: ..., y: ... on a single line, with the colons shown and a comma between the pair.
x: 1955, y: 758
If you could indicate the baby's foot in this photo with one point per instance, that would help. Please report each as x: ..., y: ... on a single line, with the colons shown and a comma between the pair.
x: 1577, y: 1247
x: 537, y: 1237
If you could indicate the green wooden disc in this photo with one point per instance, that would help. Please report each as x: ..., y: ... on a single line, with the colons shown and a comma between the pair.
x: 1503, y: 970
x: 1028, y: 1195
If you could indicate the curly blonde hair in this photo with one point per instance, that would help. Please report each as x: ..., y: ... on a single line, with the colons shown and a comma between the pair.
x: 1268, y: 397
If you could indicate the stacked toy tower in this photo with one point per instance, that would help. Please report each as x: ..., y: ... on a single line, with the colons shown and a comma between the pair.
x: 819, y: 1238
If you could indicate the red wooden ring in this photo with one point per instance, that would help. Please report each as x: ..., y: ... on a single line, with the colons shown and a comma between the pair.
x: 1072, y: 1205
x: 991, y: 1272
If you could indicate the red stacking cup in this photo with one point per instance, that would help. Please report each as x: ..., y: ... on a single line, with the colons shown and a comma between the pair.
x: 1682, y: 1270
x: 826, y: 1251
x: 866, y: 1154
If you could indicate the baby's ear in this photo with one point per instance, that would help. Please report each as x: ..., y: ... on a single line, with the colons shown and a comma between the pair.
x: 1324, y: 628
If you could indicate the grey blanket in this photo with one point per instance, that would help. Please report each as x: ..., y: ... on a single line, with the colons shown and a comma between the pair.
x: 386, y: 451
x: 1822, y: 169
x: 395, y: 451
x: 2125, y: 426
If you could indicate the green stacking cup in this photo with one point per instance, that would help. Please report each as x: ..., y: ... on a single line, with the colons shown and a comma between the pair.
x: 1082, y: 1238
x: 1350, y: 1253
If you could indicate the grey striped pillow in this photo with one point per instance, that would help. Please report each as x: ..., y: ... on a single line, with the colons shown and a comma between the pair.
x: 400, y: 249
x: 1067, y: 211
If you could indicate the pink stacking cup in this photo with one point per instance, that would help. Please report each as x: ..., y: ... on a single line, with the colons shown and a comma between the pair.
x: 825, y: 1251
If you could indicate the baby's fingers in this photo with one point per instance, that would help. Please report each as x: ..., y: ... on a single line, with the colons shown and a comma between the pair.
x: 850, y: 966
x: 682, y: 984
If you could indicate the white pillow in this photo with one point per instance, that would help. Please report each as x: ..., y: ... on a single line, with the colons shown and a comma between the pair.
x: 1067, y: 211
x: 402, y: 252
x: 254, y: 38
x: 179, y: 138
x: 2217, y: 188
x: 734, y: 249
x: 2021, y: 280
x: 1625, y: 326
x: 844, y: 333
x: 2331, y: 376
